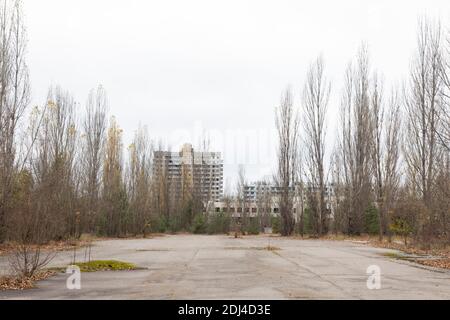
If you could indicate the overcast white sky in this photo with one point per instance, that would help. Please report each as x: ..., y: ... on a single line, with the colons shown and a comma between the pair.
x: 181, y: 67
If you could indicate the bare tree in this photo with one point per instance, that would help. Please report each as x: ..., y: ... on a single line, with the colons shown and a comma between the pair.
x: 377, y: 123
x: 115, y: 201
x: 422, y: 109
x: 339, y: 202
x: 139, y: 182
x: 443, y: 131
x: 161, y: 186
x: 264, y: 202
x: 390, y: 163
x: 355, y: 144
x: 93, y: 144
x: 287, y: 123
x: 385, y: 151
x: 45, y: 191
x: 53, y: 164
x: 28, y: 229
x: 14, y: 97
x: 205, y: 171
x: 423, y: 102
x: 241, y: 196
x: 316, y: 95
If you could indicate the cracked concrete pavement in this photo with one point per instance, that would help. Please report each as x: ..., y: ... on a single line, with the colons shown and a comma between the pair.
x: 221, y: 267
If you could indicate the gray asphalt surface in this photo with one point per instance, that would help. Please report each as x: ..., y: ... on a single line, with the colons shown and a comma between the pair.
x: 221, y: 267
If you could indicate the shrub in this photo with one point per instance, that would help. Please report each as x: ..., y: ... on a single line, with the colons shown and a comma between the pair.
x: 158, y: 225
x: 307, y: 221
x: 410, y: 219
x: 276, y: 224
x: 199, y: 225
x: 372, y: 221
x: 253, y: 226
x: 402, y: 228
x: 219, y: 223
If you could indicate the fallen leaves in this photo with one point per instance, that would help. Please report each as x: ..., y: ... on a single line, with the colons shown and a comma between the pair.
x: 23, y: 283
x: 437, y: 258
x: 442, y: 252
x: 436, y: 263
x: 6, y: 248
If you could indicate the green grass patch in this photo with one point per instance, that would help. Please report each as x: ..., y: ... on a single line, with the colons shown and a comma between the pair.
x: 105, y: 265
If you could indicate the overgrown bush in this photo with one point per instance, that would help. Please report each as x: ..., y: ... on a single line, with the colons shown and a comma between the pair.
x: 307, y: 221
x: 410, y: 218
x: 27, y: 229
x: 372, y: 221
x: 401, y: 227
x: 219, y: 223
x: 158, y: 225
x: 253, y: 226
x: 199, y: 225
x: 276, y: 224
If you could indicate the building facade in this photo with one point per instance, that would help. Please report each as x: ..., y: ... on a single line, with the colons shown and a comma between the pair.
x: 257, y: 190
x: 264, y: 197
x: 199, y: 172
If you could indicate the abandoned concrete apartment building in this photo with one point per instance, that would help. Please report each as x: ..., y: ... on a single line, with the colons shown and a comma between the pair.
x: 201, y: 170
x: 205, y: 171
